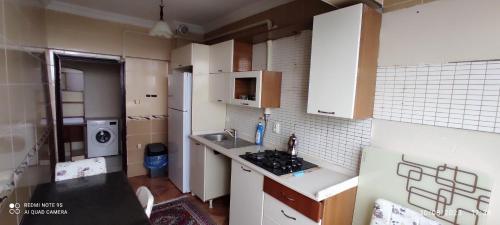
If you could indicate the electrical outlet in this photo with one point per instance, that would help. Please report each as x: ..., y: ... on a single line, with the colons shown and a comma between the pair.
x: 276, y: 128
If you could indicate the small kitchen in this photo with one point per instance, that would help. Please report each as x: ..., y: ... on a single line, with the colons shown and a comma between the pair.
x: 241, y: 142
x: 268, y: 112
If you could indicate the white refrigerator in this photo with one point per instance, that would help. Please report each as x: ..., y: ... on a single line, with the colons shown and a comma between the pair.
x: 179, y: 128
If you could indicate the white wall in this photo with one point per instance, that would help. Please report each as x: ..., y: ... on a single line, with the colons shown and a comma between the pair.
x: 442, y: 31
x: 102, y: 88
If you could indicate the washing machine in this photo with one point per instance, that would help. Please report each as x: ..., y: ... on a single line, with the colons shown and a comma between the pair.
x: 102, y: 137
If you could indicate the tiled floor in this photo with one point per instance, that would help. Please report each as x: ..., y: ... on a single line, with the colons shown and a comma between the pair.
x: 164, y: 190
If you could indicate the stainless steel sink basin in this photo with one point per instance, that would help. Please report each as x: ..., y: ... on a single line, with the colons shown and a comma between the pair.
x: 216, y: 137
x: 227, y: 141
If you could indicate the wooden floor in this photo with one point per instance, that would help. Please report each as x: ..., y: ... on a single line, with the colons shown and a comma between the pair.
x: 164, y: 190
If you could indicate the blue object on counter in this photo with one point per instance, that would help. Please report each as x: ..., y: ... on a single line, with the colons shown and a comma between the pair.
x: 259, y: 134
x: 298, y: 173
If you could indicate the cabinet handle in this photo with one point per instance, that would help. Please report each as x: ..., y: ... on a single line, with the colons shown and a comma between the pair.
x: 289, y: 198
x: 154, y: 96
x: 244, y: 103
x: 247, y: 170
x: 220, y: 70
x: 219, y: 100
x: 326, y: 112
x: 179, y: 65
x: 148, y: 95
x: 287, y: 216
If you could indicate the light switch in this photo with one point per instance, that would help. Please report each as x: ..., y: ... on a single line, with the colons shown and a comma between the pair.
x: 276, y: 128
x: 139, y: 146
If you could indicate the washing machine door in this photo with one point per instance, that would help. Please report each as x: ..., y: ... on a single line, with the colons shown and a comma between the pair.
x: 103, y: 136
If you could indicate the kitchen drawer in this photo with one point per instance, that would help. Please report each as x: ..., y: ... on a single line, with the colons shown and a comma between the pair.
x: 308, y: 207
x: 275, y: 212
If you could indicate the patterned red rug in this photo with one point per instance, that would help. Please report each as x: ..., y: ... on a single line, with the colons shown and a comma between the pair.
x: 179, y: 211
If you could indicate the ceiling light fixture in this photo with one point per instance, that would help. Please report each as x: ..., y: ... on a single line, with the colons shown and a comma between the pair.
x: 161, y: 28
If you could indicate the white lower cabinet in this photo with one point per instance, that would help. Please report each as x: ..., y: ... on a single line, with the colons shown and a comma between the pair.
x: 197, y: 159
x: 277, y: 213
x: 210, y: 172
x: 247, y: 196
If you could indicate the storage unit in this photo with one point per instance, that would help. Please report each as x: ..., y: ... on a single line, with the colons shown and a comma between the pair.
x: 230, y: 56
x: 284, y: 206
x: 146, y: 85
x: 73, y: 110
x: 246, y: 196
x: 195, y: 55
x: 259, y: 89
x: 206, y: 115
x: 219, y: 87
x: 209, y: 172
x: 344, y: 62
x: 278, y: 213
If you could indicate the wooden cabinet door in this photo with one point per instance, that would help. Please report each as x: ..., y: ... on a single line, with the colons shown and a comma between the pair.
x: 219, y: 87
x: 282, y: 214
x: 221, y: 57
x: 136, y: 85
x: 181, y: 57
x: 246, y: 196
x: 334, y: 62
x: 197, y: 161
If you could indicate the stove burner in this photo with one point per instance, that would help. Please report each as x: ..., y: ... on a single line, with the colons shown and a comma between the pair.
x: 277, y: 162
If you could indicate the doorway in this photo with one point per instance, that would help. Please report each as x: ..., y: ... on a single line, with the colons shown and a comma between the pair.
x: 90, y: 109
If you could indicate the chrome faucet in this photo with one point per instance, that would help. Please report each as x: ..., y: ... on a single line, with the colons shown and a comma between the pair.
x: 232, y: 132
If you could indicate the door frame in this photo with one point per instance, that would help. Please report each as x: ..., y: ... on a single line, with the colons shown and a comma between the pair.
x: 57, y: 56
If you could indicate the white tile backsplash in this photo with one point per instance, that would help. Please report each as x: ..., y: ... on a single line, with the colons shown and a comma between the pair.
x: 458, y: 95
x: 335, y: 140
x: 462, y: 95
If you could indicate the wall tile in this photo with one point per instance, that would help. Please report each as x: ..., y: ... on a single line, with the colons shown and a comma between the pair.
x: 335, y: 140
x: 136, y: 169
x: 6, y: 217
x: 459, y: 95
x: 159, y: 126
x: 135, y: 127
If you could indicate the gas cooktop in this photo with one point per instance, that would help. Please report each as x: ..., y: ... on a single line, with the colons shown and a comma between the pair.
x: 278, y: 162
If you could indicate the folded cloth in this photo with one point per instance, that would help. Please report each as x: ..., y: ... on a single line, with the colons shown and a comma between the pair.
x: 80, y: 168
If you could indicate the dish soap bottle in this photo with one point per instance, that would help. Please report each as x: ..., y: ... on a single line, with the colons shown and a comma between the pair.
x: 259, y: 134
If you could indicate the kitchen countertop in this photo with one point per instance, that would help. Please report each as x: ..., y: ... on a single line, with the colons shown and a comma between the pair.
x: 318, y: 183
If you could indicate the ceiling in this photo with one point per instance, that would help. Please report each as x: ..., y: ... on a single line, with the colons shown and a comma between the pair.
x: 202, y: 15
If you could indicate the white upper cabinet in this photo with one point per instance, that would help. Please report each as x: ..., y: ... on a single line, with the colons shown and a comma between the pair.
x: 195, y: 55
x: 219, y: 87
x: 344, y: 62
x: 221, y: 57
x: 230, y: 56
x: 182, y: 57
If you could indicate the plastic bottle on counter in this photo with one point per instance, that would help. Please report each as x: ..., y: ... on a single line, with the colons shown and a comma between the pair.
x: 259, y: 134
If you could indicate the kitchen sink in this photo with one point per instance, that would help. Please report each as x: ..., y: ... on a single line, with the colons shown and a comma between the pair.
x: 227, y: 141
x: 217, y: 137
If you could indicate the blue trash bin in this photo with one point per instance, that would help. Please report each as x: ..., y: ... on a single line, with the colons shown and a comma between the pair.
x: 156, y: 160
